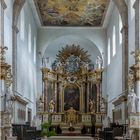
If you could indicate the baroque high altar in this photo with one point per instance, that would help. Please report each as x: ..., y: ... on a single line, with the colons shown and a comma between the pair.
x: 72, y: 89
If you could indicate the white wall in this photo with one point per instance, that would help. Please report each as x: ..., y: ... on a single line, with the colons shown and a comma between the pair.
x: 8, y: 30
x: 131, y: 30
x: 26, y: 65
x: 114, y: 69
x: 47, y: 35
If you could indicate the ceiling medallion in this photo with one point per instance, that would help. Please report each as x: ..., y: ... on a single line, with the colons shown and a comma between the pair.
x: 72, y: 58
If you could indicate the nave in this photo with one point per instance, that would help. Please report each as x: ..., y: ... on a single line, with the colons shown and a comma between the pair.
x: 69, y: 69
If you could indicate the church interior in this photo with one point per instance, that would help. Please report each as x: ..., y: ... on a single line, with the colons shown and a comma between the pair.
x: 69, y: 69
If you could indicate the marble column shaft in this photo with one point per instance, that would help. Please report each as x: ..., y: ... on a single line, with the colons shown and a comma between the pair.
x: 98, y: 98
x: 46, y: 95
x: 55, y: 94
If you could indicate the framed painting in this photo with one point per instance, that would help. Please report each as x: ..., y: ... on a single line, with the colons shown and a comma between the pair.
x: 71, y: 97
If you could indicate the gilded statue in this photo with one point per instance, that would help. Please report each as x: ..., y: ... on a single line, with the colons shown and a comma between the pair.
x: 51, y: 106
x: 91, y: 106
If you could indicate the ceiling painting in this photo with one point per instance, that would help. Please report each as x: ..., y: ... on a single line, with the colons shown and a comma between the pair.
x: 71, y: 12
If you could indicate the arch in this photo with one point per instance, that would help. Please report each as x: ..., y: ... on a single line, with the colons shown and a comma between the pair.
x: 71, y: 37
x: 53, y: 47
x: 17, y: 6
x: 123, y: 10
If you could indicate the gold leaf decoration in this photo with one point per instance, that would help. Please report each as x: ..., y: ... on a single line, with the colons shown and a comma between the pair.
x: 73, y: 50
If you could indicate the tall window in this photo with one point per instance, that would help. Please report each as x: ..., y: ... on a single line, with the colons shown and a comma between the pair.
x: 34, y: 49
x: 108, y: 52
x: 29, y: 39
x: 120, y: 28
x: 22, y: 25
x: 114, y: 41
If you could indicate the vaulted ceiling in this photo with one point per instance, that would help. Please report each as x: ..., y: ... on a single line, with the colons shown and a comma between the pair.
x: 71, y: 12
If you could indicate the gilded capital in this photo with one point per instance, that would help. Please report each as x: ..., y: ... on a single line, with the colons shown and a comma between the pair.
x: 5, y: 72
x: 136, y: 55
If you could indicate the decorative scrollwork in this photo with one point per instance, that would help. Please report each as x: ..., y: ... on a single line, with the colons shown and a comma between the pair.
x: 5, y: 72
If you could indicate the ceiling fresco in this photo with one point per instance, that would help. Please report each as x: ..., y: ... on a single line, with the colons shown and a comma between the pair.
x: 71, y: 12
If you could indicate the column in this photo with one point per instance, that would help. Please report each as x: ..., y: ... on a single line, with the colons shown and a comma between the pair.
x: 46, y: 95
x: 2, y: 8
x: 98, y: 97
x: 88, y: 91
x: 55, y: 94
x: 59, y: 94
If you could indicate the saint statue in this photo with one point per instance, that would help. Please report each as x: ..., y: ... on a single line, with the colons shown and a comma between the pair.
x: 8, y: 97
x: 91, y: 106
x: 51, y: 106
x: 132, y: 102
x: 40, y: 105
x: 99, y: 62
x: 106, y: 122
x: 102, y: 105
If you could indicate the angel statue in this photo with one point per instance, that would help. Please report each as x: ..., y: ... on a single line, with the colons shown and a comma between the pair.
x: 102, y: 105
x: 99, y: 62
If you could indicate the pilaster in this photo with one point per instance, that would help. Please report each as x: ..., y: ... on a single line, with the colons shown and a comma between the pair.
x: 137, y: 24
x: 14, y: 56
x: 2, y: 8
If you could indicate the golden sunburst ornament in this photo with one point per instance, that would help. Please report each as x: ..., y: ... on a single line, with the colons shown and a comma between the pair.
x: 72, y: 58
x: 73, y: 50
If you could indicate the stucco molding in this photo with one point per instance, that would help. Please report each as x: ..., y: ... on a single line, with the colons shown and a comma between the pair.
x: 15, y: 28
x: 3, y: 4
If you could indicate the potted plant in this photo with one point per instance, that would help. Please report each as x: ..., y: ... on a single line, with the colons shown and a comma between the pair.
x: 47, y: 130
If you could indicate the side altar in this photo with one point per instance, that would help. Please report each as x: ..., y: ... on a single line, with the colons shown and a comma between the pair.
x: 72, y: 90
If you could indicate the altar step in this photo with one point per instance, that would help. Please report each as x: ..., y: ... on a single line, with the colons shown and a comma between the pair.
x: 69, y: 138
